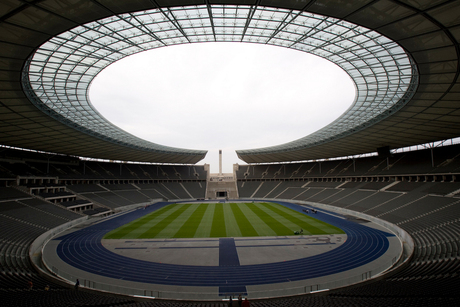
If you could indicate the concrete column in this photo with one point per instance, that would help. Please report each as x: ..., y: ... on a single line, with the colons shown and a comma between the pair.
x: 220, y: 162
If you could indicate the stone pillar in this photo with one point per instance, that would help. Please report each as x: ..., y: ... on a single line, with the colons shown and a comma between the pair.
x: 220, y: 162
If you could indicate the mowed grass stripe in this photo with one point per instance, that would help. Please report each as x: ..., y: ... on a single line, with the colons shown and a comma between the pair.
x: 221, y: 220
x: 155, y: 220
x: 218, y: 223
x: 270, y: 220
x: 161, y: 224
x: 287, y: 223
x: 205, y: 226
x: 190, y: 226
x: 295, y: 222
x: 132, y: 229
x: 315, y: 226
x: 231, y: 223
x: 246, y: 229
x: 259, y: 225
x: 173, y: 227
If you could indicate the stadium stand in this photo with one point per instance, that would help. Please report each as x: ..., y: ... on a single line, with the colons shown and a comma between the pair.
x: 427, y: 210
x: 417, y: 198
x: 27, y: 211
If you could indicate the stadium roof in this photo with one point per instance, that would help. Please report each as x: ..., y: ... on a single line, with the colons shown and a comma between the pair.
x: 402, y: 56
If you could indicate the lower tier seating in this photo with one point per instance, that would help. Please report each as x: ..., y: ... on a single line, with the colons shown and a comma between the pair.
x: 432, y: 277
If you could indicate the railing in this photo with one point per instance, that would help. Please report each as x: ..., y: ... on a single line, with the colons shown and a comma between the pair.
x: 35, y: 249
x: 284, y: 289
x: 405, y: 238
x: 298, y: 288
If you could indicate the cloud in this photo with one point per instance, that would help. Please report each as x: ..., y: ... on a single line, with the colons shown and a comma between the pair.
x: 222, y: 96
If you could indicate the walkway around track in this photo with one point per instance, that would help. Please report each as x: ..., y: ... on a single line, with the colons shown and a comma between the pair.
x: 83, y: 250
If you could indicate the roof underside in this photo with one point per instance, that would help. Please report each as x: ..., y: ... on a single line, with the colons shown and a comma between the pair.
x: 428, y: 31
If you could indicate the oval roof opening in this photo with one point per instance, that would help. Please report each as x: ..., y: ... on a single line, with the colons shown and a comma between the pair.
x: 222, y: 96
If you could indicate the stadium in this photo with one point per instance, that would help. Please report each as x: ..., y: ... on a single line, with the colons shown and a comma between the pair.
x: 375, y: 194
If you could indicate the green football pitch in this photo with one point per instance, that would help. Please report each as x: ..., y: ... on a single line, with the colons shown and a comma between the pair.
x: 217, y: 220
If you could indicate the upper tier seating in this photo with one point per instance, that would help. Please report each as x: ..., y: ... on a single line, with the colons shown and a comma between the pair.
x: 445, y: 160
x: 24, y: 163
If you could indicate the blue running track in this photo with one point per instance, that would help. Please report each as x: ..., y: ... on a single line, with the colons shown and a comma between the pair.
x: 83, y: 250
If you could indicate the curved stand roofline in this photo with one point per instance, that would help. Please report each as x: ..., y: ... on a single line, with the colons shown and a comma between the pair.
x: 403, y: 59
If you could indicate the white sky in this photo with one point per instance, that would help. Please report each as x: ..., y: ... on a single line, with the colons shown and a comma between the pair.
x: 225, y: 96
